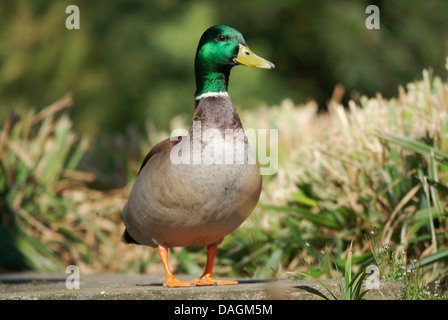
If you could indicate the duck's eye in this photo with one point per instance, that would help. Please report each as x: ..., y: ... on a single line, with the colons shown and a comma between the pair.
x: 221, y: 38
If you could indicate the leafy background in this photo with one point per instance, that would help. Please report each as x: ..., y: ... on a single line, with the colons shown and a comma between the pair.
x: 361, y: 116
x: 129, y: 57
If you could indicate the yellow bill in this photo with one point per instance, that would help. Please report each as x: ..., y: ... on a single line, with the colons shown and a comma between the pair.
x: 248, y: 58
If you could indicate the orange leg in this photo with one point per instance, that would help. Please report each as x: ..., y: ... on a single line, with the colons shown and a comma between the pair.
x: 206, y: 278
x: 170, y: 282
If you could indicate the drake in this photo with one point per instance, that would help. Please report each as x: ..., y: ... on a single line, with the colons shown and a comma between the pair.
x: 198, y: 201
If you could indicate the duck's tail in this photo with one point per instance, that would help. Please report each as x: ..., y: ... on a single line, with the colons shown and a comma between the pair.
x: 126, y: 238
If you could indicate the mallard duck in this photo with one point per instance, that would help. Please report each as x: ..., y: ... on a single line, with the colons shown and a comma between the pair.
x: 181, y: 196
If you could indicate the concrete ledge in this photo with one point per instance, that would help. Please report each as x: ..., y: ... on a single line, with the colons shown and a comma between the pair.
x: 35, y: 286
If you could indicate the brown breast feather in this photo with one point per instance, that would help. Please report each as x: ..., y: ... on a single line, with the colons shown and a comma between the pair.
x: 163, y: 145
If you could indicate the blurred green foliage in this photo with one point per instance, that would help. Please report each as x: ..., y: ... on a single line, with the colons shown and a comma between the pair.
x: 133, y: 60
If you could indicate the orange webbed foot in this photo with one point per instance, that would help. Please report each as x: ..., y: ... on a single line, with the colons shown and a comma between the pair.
x: 209, y: 281
x: 174, y: 283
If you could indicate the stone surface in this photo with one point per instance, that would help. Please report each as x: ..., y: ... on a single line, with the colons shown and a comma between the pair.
x: 30, y: 286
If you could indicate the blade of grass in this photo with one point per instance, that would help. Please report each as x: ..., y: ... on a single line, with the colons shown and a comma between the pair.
x: 324, y: 220
x: 431, y: 220
x: 320, y: 282
x: 348, y: 274
x: 435, y: 257
x: 415, y: 146
x: 434, y: 194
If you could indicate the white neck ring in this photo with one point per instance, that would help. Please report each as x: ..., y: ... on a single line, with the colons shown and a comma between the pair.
x: 212, y: 94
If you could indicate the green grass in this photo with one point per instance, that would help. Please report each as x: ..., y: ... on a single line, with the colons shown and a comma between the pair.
x: 41, y: 227
x: 389, y: 260
x: 349, y: 286
x: 381, y: 164
x: 392, y: 267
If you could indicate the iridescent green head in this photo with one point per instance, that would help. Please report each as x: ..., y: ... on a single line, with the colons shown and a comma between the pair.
x: 220, y: 48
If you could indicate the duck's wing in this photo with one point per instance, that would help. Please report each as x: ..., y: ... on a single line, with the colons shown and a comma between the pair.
x: 163, y: 145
